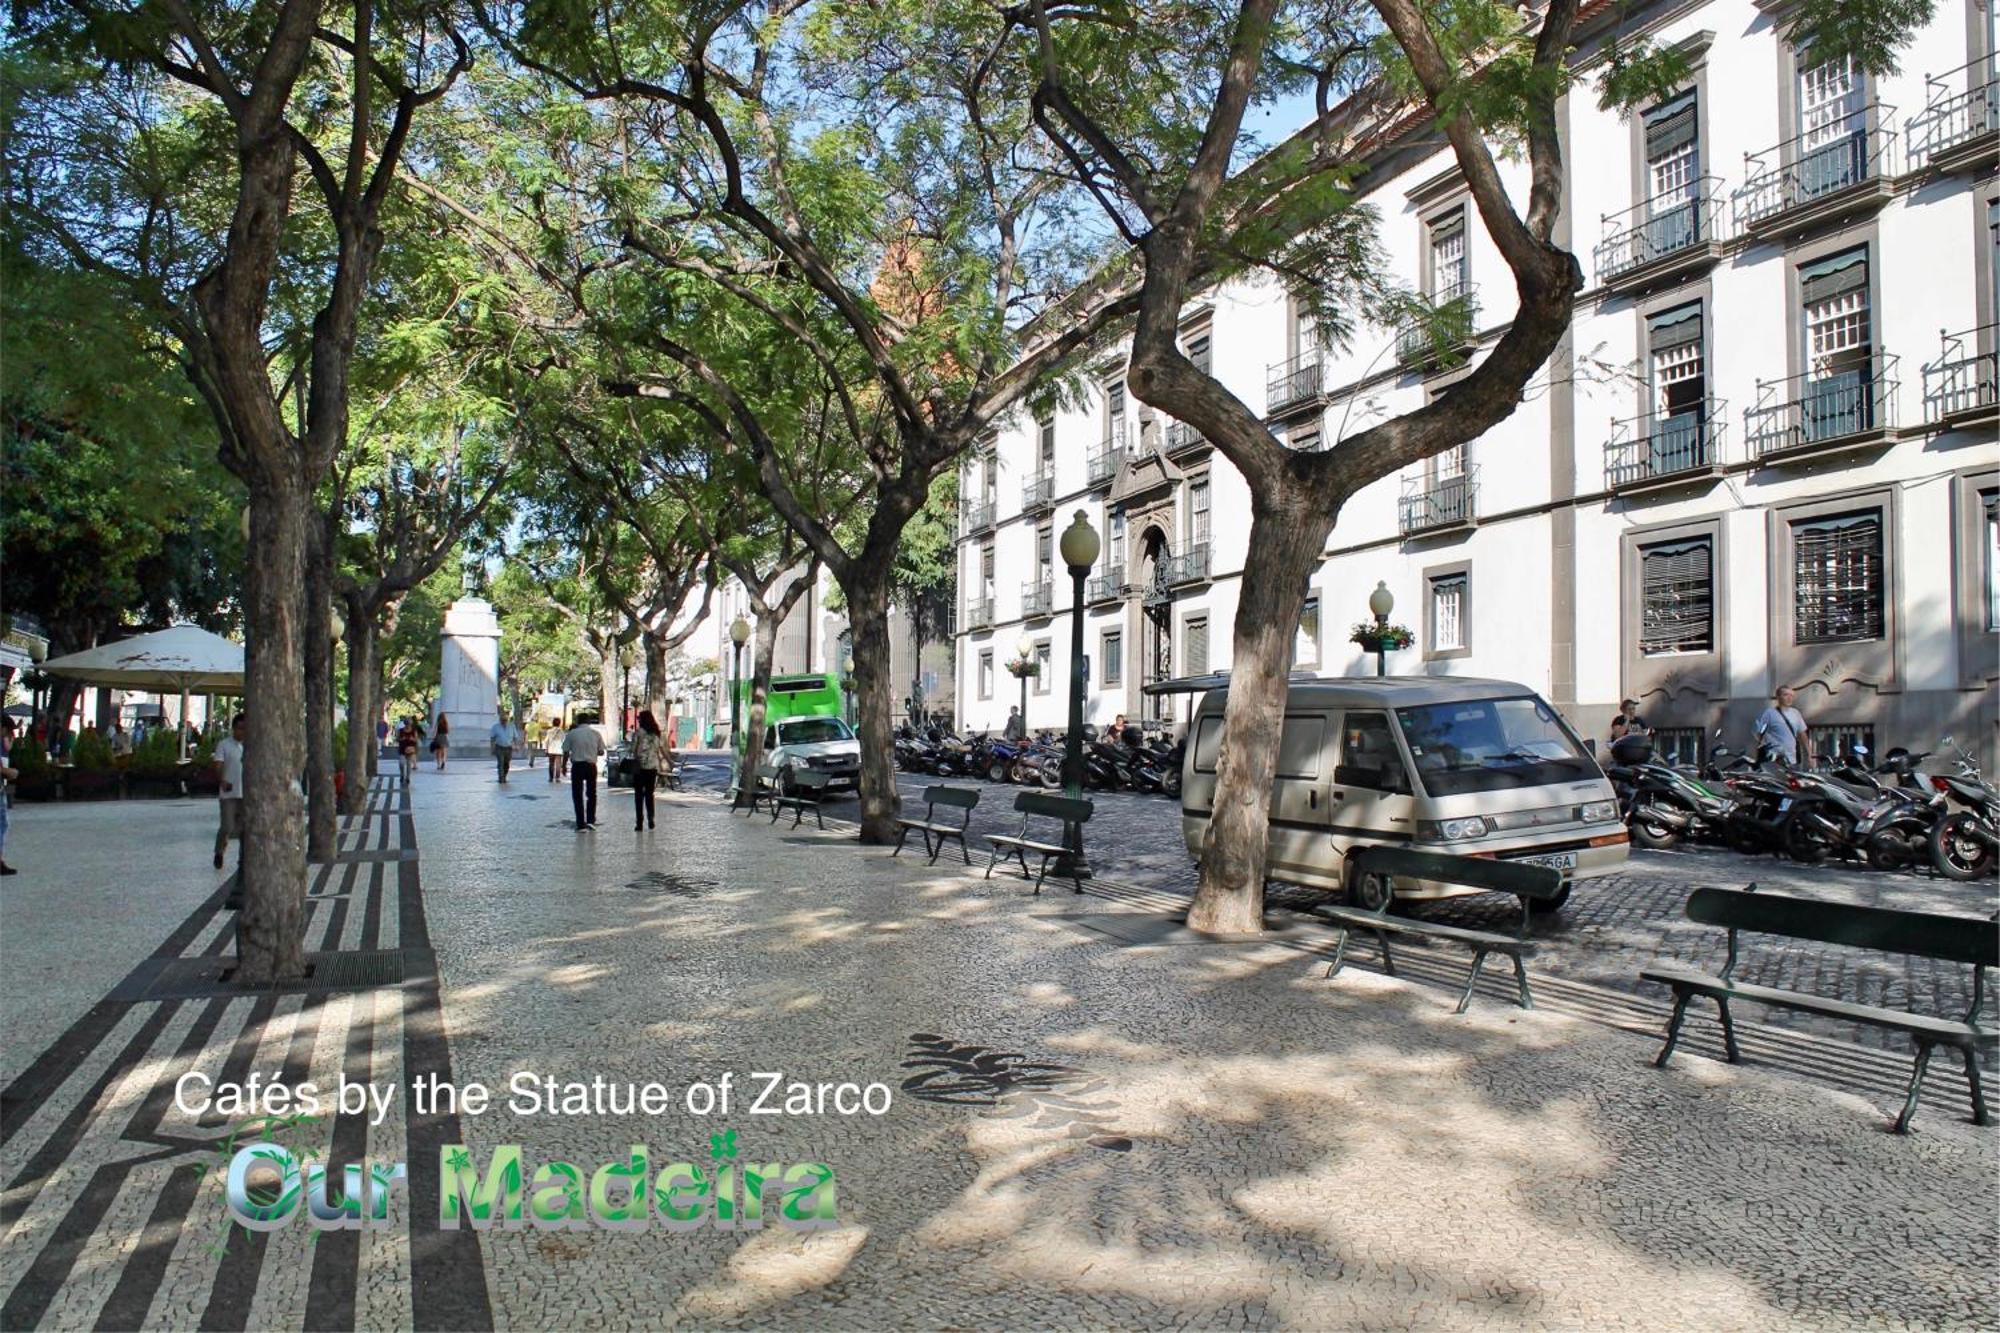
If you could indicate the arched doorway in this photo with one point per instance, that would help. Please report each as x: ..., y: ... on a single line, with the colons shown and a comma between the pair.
x: 1156, y: 630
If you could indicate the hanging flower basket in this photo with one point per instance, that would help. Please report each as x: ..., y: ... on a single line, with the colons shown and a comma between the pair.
x: 1024, y: 668
x: 1375, y: 638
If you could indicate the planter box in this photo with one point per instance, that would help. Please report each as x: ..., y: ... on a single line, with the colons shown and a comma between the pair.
x: 42, y: 788
x: 91, y: 785
x: 152, y: 786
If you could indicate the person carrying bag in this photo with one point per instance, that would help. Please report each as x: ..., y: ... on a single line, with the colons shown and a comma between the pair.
x: 648, y: 757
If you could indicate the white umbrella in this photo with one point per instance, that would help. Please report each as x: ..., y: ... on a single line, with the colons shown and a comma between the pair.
x: 185, y: 657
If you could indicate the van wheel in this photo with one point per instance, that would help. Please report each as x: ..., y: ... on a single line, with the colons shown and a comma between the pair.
x: 1370, y: 893
x: 1545, y: 906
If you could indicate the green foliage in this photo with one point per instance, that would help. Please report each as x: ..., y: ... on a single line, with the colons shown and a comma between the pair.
x: 157, y: 756
x: 28, y: 755
x: 91, y: 752
x: 1871, y: 32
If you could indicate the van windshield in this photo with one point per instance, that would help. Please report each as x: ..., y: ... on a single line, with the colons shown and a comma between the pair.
x: 1492, y: 745
x: 812, y: 730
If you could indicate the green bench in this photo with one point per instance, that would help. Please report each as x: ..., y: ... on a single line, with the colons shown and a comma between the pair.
x: 1954, y: 939
x: 1531, y: 884
x: 804, y: 792
x: 933, y: 828
x: 1066, y: 811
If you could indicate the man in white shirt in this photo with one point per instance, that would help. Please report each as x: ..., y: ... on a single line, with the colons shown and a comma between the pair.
x: 1781, y: 730
x: 505, y: 736
x: 229, y: 767
x: 583, y: 747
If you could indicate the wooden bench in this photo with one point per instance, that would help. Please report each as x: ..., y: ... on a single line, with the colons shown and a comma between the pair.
x: 1529, y: 883
x: 808, y: 789
x: 952, y: 798
x: 1955, y: 939
x: 1032, y: 806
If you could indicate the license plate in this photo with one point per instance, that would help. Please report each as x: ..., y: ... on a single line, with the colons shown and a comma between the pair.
x: 1864, y: 826
x: 1553, y: 860
x: 1784, y: 805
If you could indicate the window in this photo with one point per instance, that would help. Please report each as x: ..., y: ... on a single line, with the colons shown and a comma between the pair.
x: 1194, y: 645
x: 1306, y: 439
x: 1117, y: 533
x: 1044, y: 665
x: 1305, y: 644
x: 1677, y: 598
x: 989, y: 480
x: 1448, y: 466
x: 1451, y: 271
x: 1837, y: 741
x: 1198, y: 512
x: 986, y: 565
x: 1679, y: 391
x: 1448, y: 613
x: 1114, y: 410
x: 1048, y: 446
x: 1673, y: 164
x: 1201, y: 352
x: 1207, y: 743
x: 1111, y: 656
x: 1299, y: 746
x: 1677, y: 745
x: 1837, y: 572
x: 1492, y: 745
x: 1833, y: 120
x: 986, y: 673
x: 1368, y: 754
x: 1991, y: 501
x: 1839, y: 395
x: 1045, y: 548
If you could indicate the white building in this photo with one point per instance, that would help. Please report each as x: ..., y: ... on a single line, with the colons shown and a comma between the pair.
x: 1764, y: 453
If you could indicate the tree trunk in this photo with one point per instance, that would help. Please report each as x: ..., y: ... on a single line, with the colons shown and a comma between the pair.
x: 867, y: 592
x: 607, y: 686
x: 364, y: 683
x: 1286, y: 538
x: 322, y: 841
x: 271, y: 927
x: 655, y: 645
x: 763, y: 650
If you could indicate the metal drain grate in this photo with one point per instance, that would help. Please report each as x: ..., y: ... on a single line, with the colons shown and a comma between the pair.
x: 204, y: 977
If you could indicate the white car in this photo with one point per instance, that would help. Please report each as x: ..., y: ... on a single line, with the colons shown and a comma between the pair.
x: 824, y: 744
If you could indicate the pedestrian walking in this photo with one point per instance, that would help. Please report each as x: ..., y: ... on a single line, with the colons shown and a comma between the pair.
x: 408, y: 740
x: 531, y: 739
x: 1781, y: 731
x: 582, y: 748
x: 552, y: 745
x: 440, y: 741
x: 504, y: 736
x: 8, y: 773
x: 648, y: 758
x: 229, y: 806
x: 1017, y: 726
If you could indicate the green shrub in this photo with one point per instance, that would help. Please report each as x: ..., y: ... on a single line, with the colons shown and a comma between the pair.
x: 158, y: 756
x: 203, y: 753
x: 91, y: 752
x: 30, y: 758
x: 339, y: 743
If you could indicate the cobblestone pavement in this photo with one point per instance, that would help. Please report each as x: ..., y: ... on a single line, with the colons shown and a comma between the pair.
x: 1612, y: 927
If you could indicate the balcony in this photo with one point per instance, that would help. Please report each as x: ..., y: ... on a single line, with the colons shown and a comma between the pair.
x: 1038, y: 492
x: 1956, y: 131
x: 1962, y: 387
x: 1102, y: 465
x: 1663, y: 238
x: 1437, y: 504
x: 979, y: 613
x: 1104, y: 588
x: 1440, y: 330
x: 1178, y: 571
x: 1292, y: 386
x: 1803, y: 415
x: 975, y: 517
x: 1184, y: 439
x: 1655, y: 451
x: 1810, y: 181
x: 1037, y: 601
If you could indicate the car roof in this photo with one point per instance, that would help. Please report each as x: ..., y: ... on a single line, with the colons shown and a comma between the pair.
x: 1381, y: 691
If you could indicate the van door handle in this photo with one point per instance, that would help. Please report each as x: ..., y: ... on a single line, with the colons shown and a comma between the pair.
x: 1314, y: 794
x: 1340, y: 796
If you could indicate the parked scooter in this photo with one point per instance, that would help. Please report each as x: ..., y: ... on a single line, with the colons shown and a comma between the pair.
x: 1963, y: 843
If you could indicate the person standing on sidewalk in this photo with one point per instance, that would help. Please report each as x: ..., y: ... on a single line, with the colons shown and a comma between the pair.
x: 441, y: 741
x: 407, y: 742
x: 648, y: 757
x: 552, y: 745
x: 1781, y: 730
x: 7, y: 775
x: 582, y: 748
x: 504, y: 736
x: 229, y: 767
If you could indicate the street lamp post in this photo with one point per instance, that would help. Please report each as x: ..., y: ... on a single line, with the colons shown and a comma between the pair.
x: 739, y: 634
x: 1024, y: 655
x: 1381, y: 602
x: 1079, y: 546
x: 847, y: 686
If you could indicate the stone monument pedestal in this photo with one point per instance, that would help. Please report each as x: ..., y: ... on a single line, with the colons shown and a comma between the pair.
x: 469, y: 674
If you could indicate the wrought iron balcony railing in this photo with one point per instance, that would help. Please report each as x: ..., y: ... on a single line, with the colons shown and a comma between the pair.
x: 1805, y: 412
x: 1102, y: 464
x: 1181, y: 436
x: 979, y: 613
x: 1657, y: 231
x: 1952, y: 123
x: 1665, y: 446
x: 1296, y: 382
x: 1963, y: 379
x: 1038, y: 490
x: 1190, y: 566
x: 1433, y: 503
x: 973, y: 517
x: 1037, y: 599
x: 1817, y: 168
x: 1104, y: 588
x: 1445, y: 325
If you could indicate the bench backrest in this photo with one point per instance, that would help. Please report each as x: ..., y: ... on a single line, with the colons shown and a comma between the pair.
x: 1065, y: 808
x: 1524, y: 881
x: 810, y: 779
x: 962, y: 797
x: 1957, y: 939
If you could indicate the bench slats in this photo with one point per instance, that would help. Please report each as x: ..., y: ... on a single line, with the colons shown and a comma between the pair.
x: 1481, y: 872
x: 1956, y: 939
x: 1949, y: 1030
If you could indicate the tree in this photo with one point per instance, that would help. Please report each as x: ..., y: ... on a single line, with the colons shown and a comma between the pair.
x: 116, y: 173
x: 1148, y: 114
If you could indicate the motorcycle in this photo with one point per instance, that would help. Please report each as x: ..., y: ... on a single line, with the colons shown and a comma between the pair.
x: 1963, y: 843
x: 1896, y: 835
x: 1664, y: 805
x: 1826, y: 810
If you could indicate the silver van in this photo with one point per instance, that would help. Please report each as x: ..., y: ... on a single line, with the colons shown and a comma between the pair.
x: 1437, y: 764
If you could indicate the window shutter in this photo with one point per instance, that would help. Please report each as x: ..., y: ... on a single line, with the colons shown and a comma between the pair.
x: 1677, y: 591
x: 1670, y: 125
x: 1830, y: 277
x: 1837, y: 565
x: 1197, y: 646
x: 1675, y: 328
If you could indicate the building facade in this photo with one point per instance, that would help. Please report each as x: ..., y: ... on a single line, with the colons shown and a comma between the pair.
x: 1764, y: 453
